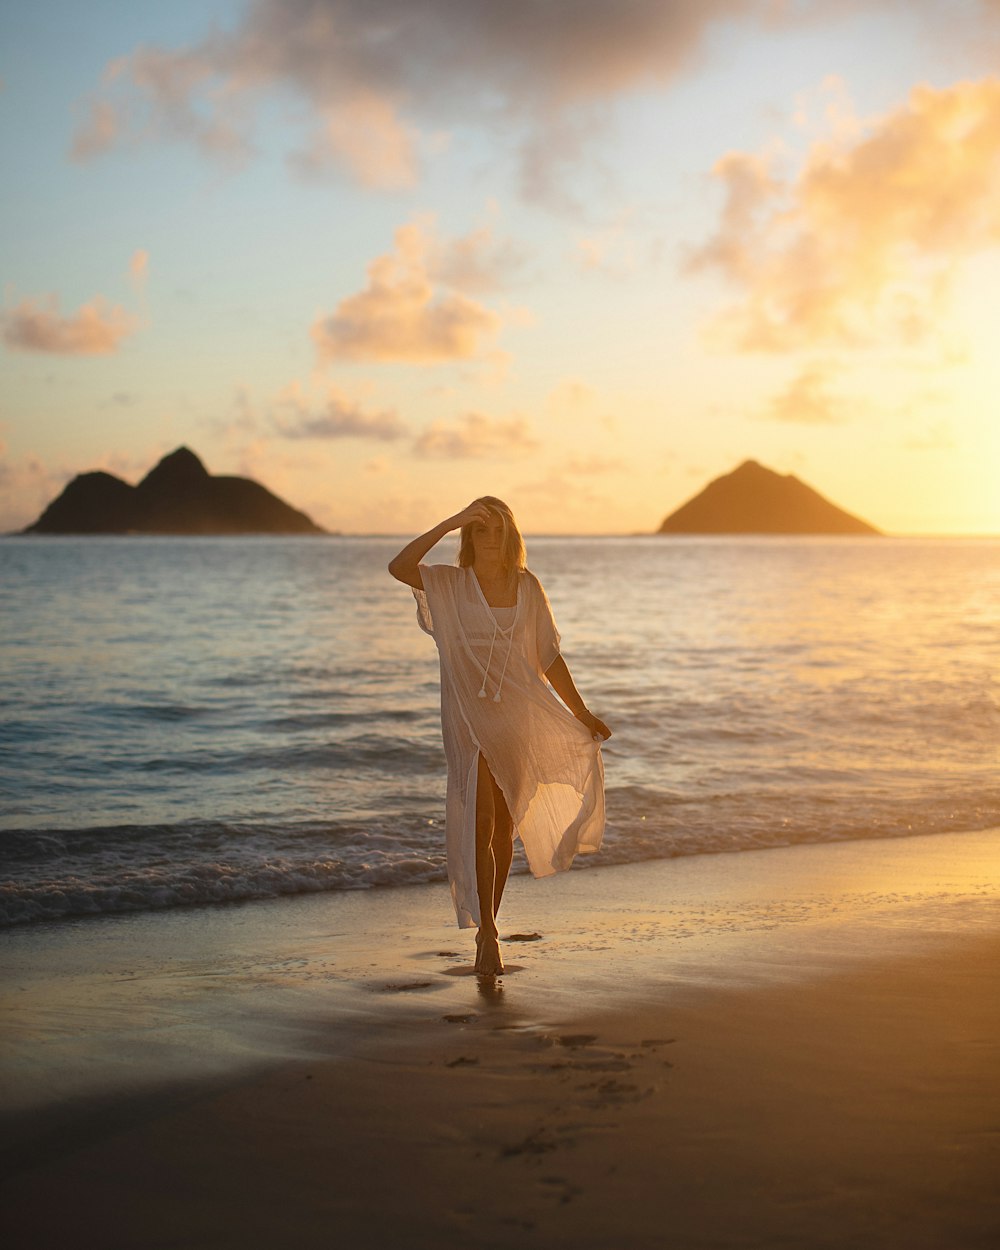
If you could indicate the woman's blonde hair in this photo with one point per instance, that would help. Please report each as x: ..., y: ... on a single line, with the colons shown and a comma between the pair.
x: 512, y: 555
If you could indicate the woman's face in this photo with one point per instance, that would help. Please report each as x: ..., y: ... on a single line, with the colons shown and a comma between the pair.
x: 487, y: 538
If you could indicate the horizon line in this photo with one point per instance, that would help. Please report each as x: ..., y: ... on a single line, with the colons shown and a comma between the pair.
x: 604, y: 534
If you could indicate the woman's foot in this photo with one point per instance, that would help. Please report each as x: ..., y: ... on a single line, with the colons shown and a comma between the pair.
x: 488, y: 960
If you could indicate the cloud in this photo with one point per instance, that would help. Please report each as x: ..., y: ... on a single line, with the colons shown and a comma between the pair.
x: 562, y: 502
x: 366, y: 135
x: 341, y: 417
x: 138, y: 266
x: 96, y: 329
x: 860, y: 244
x: 401, y: 315
x: 477, y: 263
x: 121, y: 399
x: 610, y: 250
x: 807, y: 400
x: 198, y: 95
x: 474, y: 436
x: 289, y: 473
x: 378, y: 75
x: 99, y: 133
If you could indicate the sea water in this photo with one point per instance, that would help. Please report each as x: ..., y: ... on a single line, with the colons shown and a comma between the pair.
x: 197, y: 720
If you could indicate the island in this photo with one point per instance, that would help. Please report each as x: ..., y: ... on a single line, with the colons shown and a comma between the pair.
x: 178, y: 496
x: 756, y: 500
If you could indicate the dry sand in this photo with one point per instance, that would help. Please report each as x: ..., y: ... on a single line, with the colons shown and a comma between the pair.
x: 796, y: 1048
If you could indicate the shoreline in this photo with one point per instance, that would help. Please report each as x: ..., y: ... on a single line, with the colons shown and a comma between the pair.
x: 798, y: 1045
x: 601, y: 862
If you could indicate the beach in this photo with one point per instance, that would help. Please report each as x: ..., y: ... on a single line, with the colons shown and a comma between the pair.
x: 795, y: 1047
x: 425, y: 424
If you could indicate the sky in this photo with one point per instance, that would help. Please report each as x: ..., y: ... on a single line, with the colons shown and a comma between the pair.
x: 385, y: 256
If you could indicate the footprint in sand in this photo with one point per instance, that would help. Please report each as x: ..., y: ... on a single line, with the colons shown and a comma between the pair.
x: 612, y: 1093
x: 573, y: 1040
x: 538, y: 1142
x: 560, y: 1188
x: 403, y: 987
x: 592, y: 1065
x: 522, y: 937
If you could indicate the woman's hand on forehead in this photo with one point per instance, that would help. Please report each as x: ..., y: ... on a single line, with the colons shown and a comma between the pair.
x: 474, y: 514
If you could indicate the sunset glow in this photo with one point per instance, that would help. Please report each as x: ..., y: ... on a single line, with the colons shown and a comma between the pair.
x: 585, y: 257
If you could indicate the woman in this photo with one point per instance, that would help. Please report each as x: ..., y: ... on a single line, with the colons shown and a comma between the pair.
x: 518, y: 760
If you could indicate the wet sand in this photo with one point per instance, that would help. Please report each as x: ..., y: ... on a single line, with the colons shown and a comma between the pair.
x: 795, y: 1048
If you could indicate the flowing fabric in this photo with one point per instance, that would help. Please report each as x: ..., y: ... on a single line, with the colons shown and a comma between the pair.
x: 495, y: 701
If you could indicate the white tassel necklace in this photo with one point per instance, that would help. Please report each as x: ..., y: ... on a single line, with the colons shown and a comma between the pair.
x: 494, y: 585
x: 489, y: 661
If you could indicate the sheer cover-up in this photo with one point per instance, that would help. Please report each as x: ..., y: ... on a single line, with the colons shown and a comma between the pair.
x: 546, y: 762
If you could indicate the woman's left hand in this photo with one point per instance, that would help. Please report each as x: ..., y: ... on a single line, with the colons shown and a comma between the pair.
x: 597, y: 727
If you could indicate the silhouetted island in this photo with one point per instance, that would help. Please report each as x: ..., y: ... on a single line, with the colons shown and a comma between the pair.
x: 178, y: 496
x: 756, y: 500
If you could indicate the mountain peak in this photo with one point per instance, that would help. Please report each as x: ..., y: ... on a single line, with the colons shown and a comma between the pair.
x: 754, y: 499
x: 177, y: 496
x: 180, y: 466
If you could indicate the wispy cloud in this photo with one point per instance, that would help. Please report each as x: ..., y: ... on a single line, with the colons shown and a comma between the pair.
x: 95, y: 329
x: 474, y: 436
x: 138, y: 266
x: 120, y: 399
x: 196, y: 95
x: 561, y: 501
x: 367, y: 136
x: 860, y: 244
x: 808, y: 399
x: 99, y: 132
x: 402, y: 315
x: 610, y: 251
x: 339, y: 416
x: 377, y: 76
x: 477, y: 263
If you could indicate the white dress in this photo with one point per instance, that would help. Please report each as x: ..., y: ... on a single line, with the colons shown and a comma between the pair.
x: 495, y: 700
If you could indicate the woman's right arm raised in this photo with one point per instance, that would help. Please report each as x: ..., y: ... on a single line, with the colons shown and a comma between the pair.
x: 405, y: 567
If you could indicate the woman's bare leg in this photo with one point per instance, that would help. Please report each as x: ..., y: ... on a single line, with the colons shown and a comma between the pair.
x: 503, y: 844
x: 487, y: 944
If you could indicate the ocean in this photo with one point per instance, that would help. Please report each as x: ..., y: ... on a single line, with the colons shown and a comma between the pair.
x: 197, y: 721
